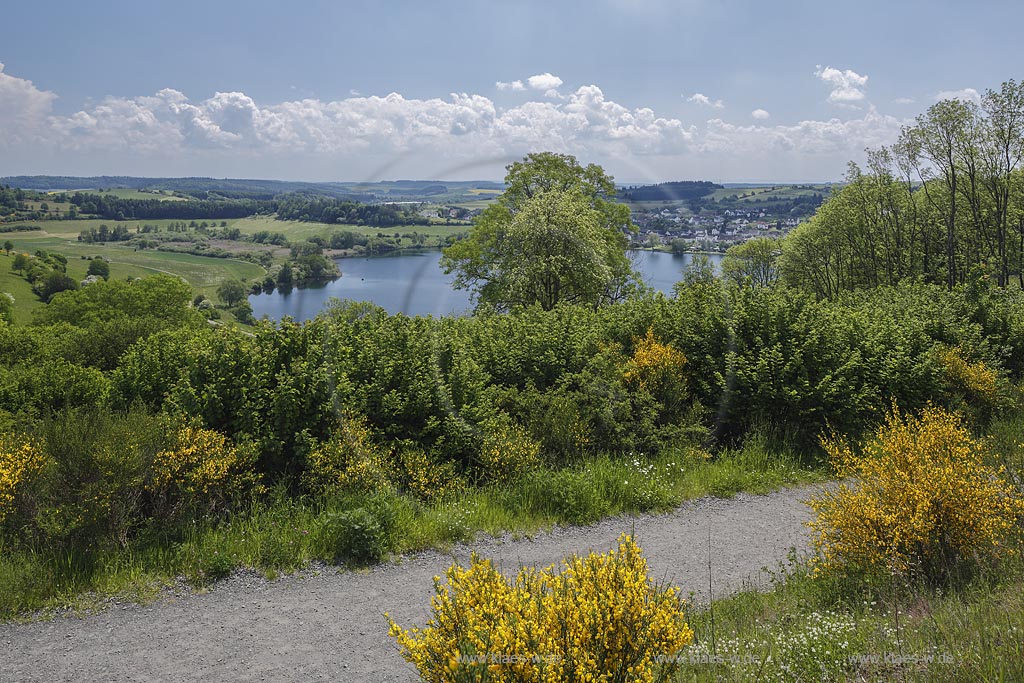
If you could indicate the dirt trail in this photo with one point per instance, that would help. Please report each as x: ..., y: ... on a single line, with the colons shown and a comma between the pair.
x: 328, y: 625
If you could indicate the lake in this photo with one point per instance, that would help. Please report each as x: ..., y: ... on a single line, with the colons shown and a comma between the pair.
x: 414, y: 284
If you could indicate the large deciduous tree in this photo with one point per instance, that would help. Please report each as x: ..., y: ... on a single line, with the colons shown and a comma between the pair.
x: 754, y: 261
x: 553, y: 236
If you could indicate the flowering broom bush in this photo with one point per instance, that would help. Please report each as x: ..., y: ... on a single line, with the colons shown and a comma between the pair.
x: 923, y: 500
x: 601, y: 618
x: 349, y: 461
x: 20, y: 461
x: 656, y: 368
x: 202, y: 468
x: 508, y: 452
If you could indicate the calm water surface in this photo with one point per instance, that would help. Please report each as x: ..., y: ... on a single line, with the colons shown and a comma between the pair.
x: 414, y: 284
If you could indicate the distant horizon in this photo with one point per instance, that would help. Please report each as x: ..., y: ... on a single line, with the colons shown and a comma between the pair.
x: 726, y: 183
x: 738, y: 91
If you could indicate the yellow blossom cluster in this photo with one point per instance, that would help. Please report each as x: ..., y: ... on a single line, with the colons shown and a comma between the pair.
x: 20, y: 460
x: 975, y: 379
x: 349, y: 460
x: 600, y: 618
x: 202, y: 462
x: 508, y: 451
x: 655, y: 367
x: 922, y: 498
x: 426, y: 478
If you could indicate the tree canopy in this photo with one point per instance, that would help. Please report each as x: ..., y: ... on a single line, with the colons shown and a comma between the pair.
x: 554, y: 236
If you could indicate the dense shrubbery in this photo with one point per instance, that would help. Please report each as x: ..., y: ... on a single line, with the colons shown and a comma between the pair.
x: 359, y: 401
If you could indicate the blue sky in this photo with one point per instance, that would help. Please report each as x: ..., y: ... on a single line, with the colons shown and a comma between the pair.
x: 651, y: 89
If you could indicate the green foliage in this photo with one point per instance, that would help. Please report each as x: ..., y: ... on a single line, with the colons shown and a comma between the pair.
x: 360, y: 535
x: 553, y: 236
x: 6, y: 307
x: 113, y: 315
x: 99, y: 268
x: 231, y: 292
x: 753, y: 262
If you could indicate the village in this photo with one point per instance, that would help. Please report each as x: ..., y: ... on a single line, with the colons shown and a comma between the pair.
x: 709, y: 230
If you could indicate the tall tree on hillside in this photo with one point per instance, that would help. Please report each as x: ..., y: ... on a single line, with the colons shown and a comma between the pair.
x: 554, y: 236
x: 941, y: 131
x: 1004, y: 150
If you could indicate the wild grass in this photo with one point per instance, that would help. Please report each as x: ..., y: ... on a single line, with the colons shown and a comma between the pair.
x: 872, y: 626
x: 811, y: 628
x: 281, y: 533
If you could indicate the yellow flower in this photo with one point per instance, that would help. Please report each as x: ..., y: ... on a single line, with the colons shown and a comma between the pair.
x: 598, y: 616
x: 922, y: 498
x: 20, y: 460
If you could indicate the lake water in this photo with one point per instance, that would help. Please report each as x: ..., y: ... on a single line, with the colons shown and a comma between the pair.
x: 414, y: 284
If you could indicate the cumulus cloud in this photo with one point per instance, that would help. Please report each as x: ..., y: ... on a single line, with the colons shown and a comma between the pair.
x: 233, y: 130
x: 847, y: 86
x: 705, y: 101
x: 965, y: 94
x: 842, y: 139
x: 547, y: 82
x: 903, y: 100
x: 23, y: 108
x: 510, y: 85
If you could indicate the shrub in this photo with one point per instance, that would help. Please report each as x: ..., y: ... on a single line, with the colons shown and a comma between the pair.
x: 20, y: 461
x: 976, y: 382
x: 360, y: 535
x: 425, y: 477
x: 656, y: 368
x: 202, y: 468
x: 508, y: 451
x: 923, y: 500
x: 348, y: 461
x: 601, y: 618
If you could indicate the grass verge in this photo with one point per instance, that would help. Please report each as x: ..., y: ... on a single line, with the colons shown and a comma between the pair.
x: 809, y: 628
x: 281, y: 533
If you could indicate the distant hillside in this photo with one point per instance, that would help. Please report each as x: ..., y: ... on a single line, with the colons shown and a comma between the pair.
x: 241, y: 188
x: 681, y: 190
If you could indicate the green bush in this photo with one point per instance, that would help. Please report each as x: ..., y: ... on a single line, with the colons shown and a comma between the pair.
x: 359, y: 535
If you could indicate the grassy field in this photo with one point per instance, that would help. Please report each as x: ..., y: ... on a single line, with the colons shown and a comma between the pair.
x: 204, y: 274
x: 126, y: 193
x: 769, y: 192
x: 298, y: 230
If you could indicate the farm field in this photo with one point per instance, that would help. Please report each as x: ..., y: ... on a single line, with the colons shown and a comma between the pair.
x: 128, y: 193
x: 204, y: 274
x: 299, y: 230
x: 767, y: 192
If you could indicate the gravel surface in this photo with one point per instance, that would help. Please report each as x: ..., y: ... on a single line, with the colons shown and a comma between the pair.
x: 327, y: 624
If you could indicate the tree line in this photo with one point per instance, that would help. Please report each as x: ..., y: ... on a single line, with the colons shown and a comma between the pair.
x: 319, y: 209
x: 943, y: 204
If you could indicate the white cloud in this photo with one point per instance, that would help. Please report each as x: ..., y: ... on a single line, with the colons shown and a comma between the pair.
x: 513, y: 85
x: 23, y: 108
x: 847, y: 86
x: 231, y: 133
x: 547, y: 82
x: 705, y: 101
x: 965, y: 94
x: 841, y: 139
x: 903, y: 100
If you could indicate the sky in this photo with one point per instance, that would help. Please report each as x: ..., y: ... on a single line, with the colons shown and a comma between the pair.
x: 653, y: 90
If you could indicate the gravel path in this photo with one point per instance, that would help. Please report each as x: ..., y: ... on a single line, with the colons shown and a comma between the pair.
x: 327, y: 625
